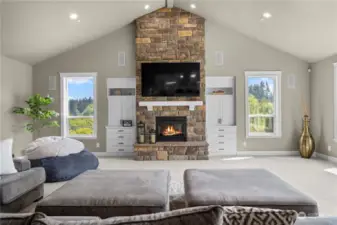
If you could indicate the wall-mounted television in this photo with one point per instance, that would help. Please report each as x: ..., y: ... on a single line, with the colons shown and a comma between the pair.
x: 170, y: 79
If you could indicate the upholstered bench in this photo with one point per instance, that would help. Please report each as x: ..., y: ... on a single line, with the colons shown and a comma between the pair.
x: 244, y: 187
x: 108, y: 193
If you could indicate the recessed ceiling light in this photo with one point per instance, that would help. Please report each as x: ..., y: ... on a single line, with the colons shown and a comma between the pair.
x: 267, y: 15
x: 147, y: 7
x: 78, y: 21
x: 73, y: 16
x: 193, y: 6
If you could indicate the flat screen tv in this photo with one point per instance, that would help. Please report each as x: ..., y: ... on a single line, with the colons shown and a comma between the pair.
x: 170, y: 79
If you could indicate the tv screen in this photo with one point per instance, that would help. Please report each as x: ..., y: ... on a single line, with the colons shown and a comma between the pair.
x: 170, y: 79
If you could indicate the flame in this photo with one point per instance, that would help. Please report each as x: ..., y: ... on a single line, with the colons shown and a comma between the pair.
x: 170, y: 131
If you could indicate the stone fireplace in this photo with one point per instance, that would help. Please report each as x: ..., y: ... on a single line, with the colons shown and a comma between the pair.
x: 171, y: 35
x: 171, y: 128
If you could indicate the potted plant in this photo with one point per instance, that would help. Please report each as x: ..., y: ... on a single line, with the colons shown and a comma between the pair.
x: 38, y: 113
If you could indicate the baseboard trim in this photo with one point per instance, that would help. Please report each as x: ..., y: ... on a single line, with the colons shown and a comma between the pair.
x: 113, y: 154
x: 326, y: 157
x: 268, y: 153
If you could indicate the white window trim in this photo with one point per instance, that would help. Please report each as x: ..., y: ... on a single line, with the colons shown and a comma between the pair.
x: 277, y: 75
x: 335, y: 101
x: 64, y: 105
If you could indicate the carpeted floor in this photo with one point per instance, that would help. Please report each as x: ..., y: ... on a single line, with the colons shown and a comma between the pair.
x: 308, y: 176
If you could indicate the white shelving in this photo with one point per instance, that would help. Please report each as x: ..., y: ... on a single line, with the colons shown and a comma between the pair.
x: 122, y: 106
x: 220, y: 115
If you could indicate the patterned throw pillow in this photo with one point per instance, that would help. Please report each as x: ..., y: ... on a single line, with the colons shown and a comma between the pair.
x: 237, y: 215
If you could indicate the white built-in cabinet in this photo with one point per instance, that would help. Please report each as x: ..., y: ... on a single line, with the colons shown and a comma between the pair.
x: 220, y: 115
x: 122, y: 106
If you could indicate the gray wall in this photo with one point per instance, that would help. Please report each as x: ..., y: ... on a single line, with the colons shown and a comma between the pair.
x: 97, y: 56
x: 322, y: 105
x: 16, y: 87
x: 241, y: 53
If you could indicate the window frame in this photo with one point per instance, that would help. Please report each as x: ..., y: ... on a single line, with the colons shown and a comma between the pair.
x: 276, y: 76
x: 64, y: 105
x: 335, y: 101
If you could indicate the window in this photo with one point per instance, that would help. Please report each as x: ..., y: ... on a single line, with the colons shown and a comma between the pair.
x: 78, y: 105
x: 263, y: 104
x: 335, y: 101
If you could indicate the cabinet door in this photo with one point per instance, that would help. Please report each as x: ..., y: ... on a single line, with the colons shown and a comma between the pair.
x: 213, y: 109
x: 227, y: 110
x: 129, y: 108
x: 115, y: 110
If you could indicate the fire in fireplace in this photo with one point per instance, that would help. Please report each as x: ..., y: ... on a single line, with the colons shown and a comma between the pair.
x: 171, y: 128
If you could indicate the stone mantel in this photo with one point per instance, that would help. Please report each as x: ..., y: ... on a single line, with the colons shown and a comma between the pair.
x: 151, y: 104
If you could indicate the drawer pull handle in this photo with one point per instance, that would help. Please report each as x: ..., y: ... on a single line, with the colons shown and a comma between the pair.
x: 121, y: 143
x: 221, y: 130
x: 120, y: 136
x: 221, y: 136
x: 120, y: 130
x: 221, y: 142
x: 221, y: 149
x: 121, y: 150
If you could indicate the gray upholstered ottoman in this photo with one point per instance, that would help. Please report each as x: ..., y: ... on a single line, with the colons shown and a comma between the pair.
x: 244, y: 187
x: 108, y: 193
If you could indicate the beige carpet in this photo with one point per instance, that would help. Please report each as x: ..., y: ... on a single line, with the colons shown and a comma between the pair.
x: 309, y: 176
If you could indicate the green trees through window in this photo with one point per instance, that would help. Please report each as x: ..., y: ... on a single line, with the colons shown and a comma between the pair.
x: 261, y: 104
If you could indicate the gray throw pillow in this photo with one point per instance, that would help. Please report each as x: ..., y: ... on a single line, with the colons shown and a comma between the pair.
x: 19, y: 218
x: 206, y: 215
x: 237, y: 215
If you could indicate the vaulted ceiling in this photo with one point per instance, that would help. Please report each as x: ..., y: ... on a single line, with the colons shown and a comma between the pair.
x: 36, y: 30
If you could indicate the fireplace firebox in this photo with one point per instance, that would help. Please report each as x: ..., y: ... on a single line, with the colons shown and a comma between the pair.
x: 171, y: 128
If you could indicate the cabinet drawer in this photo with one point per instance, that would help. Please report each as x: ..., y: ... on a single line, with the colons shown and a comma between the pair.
x: 223, y: 147
x: 121, y: 130
x: 120, y: 149
x: 126, y: 140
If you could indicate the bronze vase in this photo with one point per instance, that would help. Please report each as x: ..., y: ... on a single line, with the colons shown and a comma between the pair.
x: 307, y: 142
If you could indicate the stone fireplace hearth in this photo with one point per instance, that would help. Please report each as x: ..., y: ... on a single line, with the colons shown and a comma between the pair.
x: 172, y: 35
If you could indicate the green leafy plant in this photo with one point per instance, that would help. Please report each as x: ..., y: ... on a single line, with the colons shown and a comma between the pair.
x: 38, y: 113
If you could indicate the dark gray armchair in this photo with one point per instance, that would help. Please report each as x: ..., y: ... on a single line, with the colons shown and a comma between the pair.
x: 21, y: 189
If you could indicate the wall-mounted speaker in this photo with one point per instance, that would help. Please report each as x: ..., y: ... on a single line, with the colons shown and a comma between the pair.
x: 219, y: 58
x: 121, y: 58
x: 52, y: 83
x: 291, y: 81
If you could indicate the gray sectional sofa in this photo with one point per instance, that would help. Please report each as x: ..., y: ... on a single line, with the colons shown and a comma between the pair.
x: 21, y: 189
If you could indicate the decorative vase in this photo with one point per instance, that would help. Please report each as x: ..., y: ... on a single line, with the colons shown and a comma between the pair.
x: 307, y: 142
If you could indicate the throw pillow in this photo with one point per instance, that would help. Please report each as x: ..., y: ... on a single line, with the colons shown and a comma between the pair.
x: 6, y: 159
x: 19, y: 218
x: 237, y: 215
x: 209, y: 215
x: 205, y: 215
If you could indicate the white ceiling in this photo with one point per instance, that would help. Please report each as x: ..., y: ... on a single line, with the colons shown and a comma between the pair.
x: 35, y: 31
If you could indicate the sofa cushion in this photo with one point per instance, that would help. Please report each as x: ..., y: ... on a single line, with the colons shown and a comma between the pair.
x: 208, y: 215
x: 258, y: 216
x: 15, y: 185
x: 244, y: 187
x: 106, y: 193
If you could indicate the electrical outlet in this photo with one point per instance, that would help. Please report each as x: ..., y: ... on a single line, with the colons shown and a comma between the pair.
x: 244, y: 144
x: 97, y: 145
x: 329, y: 148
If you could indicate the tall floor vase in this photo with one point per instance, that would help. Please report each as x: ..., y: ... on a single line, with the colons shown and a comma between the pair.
x: 307, y: 142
